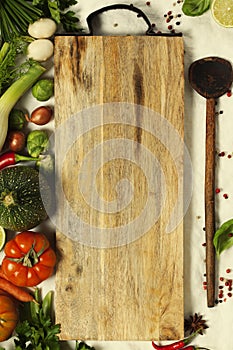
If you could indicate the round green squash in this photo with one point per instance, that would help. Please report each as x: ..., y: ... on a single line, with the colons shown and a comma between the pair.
x: 21, y: 205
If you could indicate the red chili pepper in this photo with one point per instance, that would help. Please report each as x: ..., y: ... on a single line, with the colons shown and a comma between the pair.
x: 11, y: 158
x: 177, y: 345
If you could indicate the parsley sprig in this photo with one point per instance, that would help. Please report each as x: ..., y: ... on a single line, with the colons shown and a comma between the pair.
x: 36, y: 330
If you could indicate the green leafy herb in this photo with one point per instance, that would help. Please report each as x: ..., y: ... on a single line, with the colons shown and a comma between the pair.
x: 223, y: 238
x: 58, y: 11
x: 82, y: 346
x: 15, y: 16
x: 9, y: 52
x: 195, y: 7
x: 36, y: 329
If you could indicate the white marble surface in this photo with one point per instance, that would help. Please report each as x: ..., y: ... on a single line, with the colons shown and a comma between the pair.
x: 202, y: 37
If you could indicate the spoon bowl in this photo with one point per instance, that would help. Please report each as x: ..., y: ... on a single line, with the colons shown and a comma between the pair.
x: 211, y: 77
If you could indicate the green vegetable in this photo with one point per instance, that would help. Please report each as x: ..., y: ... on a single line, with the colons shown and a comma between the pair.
x: 45, y: 164
x: 14, y: 92
x: 83, y: 346
x: 43, y: 89
x: 17, y: 119
x: 37, y: 142
x: 9, y: 71
x: 57, y: 10
x: 21, y: 205
x: 15, y: 16
x: 36, y: 329
x: 223, y: 238
x: 195, y: 7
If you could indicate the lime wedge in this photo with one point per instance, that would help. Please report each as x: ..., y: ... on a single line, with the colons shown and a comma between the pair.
x: 222, y: 12
x: 2, y: 237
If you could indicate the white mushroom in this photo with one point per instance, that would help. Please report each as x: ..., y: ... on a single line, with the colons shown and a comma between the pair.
x: 42, y: 28
x: 40, y: 50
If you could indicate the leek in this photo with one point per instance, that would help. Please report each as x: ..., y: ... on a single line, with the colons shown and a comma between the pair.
x: 13, y: 94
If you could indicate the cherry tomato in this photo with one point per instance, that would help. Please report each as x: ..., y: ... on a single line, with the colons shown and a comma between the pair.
x: 29, y: 259
x: 8, y: 316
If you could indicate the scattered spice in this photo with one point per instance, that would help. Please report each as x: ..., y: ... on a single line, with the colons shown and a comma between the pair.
x: 195, y: 323
x: 225, y: 288
x: 229, y: 93
x: 221, y: 154
x: 225, y: 196
x: 217, y: 190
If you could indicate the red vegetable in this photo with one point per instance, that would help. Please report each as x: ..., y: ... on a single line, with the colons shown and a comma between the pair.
x: 180, y: 344
x: 11, y: 158
x: 15, y: 291
x: 16, y: 141
x: 8, y: 316
x: 41, y: 115
x: 29, y: 259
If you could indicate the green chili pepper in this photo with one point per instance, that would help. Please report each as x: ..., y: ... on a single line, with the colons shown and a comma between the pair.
x: 35, y: 307
x: 47, y: 304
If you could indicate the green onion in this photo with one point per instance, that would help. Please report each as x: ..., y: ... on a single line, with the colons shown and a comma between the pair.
x: 13, y: 93
x: 15, y: 17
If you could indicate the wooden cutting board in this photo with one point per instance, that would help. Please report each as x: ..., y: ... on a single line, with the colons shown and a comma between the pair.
x: 119, y: 162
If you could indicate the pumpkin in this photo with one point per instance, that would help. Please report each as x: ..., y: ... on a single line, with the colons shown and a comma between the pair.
x: 21, y: 205
x: 8, y: 316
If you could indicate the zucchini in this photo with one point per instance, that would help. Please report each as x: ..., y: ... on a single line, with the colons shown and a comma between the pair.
x: 21, y: 205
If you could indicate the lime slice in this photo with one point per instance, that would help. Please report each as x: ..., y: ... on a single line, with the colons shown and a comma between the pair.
x: 222, y: 12
x: 2, y: 237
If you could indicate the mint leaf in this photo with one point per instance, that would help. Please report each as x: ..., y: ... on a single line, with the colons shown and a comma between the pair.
x: 195, y: 7
x: 223, y: 238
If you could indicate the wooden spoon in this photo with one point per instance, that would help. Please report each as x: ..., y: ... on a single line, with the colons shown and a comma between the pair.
x: 211, y: 77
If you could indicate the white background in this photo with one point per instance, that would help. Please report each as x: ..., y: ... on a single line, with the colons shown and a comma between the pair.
x: 202, y: 37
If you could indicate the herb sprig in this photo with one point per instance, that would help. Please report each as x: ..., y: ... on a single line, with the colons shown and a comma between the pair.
x: 9, y: 52
x: 59, y: 12
x: 36, y: 329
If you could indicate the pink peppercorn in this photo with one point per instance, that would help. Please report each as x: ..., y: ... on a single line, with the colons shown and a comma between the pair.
x: 221, y: 154
x: 228, y: 270
x: 229, y: 93
x: 217, y: 190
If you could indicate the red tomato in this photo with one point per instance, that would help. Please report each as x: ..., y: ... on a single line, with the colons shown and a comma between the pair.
x: 29, y: 259
x: 8, y: 316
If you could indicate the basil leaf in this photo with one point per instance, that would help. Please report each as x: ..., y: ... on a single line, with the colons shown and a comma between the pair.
x: 195, y: 7
x: 223, y: 238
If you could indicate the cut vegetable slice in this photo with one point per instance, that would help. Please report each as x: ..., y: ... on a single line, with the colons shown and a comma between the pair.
x: 2, y: 237
x: 222, y: 11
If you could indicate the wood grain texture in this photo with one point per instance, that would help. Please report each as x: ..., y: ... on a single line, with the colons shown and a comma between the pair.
x: 210, y: 200
x: 132, y: 291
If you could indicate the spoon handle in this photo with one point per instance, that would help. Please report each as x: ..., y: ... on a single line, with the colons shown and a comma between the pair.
x: 210, y: 200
